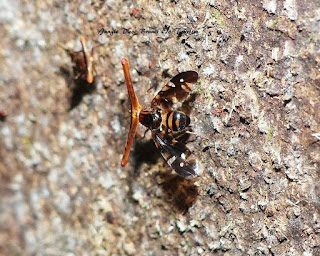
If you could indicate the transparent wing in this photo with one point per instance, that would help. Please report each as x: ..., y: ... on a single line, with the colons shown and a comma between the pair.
x: 176, y: 90
x: 177, y: 155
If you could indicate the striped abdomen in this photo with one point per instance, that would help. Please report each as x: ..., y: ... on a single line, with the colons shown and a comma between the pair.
x: 177, y: 121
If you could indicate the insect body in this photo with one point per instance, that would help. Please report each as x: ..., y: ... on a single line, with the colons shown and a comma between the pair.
x: 170, y: 128
x: 83, y: 62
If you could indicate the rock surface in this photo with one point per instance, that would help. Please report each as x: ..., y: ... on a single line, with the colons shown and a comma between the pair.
x: 257, y: 117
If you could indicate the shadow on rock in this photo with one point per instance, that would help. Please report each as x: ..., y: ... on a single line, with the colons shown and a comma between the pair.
x: 78, y: 87
x: 180, y: 192
x: 145, y: 152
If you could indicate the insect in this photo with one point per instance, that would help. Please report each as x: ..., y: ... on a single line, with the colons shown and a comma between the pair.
x: 83, y: 62
x: 170, y: 128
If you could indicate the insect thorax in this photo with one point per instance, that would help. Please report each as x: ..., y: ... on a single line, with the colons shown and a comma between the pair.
x: 150, y: 118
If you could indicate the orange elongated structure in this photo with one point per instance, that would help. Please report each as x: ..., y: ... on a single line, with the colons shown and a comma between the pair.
x: 135, y: 111
x: 88, y: 60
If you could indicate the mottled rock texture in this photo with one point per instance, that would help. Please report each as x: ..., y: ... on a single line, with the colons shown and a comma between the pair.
x: 256, y: 114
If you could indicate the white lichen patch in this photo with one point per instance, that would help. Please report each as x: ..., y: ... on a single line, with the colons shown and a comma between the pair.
x: 263, y: 124
x: 182, y: 56
x: 209, y: 70
x: 239, y: 60
x: 290, y: 9
x: 7, y: 137
x: 275, y: 53
x: 62, y: 202
x: 182, y: 226
x: 107, y: 179
x: 97, y: 139
x: 270, y: 6
x: 255, y: 160
x: 140, y: 196
x: 250, y: 101
x: 289, y: 49
x: 115, y: 125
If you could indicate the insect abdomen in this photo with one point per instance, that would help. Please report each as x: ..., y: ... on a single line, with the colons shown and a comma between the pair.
x: 177, y: 121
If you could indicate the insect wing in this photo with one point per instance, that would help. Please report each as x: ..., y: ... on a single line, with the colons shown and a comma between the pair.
x: 176, y: 154
x: 176, y: 90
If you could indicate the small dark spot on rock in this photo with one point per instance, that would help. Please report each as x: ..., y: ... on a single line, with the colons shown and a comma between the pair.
x: 206, y: 148
x: 244, y: 121
x: 285, y: 102
x: 109, y: 217
x: 165, y: 73
x: 211, y: 191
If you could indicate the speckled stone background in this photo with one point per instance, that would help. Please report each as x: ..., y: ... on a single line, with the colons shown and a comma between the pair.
x: 256, y: 114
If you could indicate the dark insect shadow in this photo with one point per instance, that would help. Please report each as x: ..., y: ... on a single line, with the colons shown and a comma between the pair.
x: 180, y: 192
x: 78, y: 87
x: 144, y: 152
x: 79, y: 90
x: 66, y: 74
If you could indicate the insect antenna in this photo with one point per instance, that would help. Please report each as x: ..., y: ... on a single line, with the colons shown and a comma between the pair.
x: 135, y: 110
